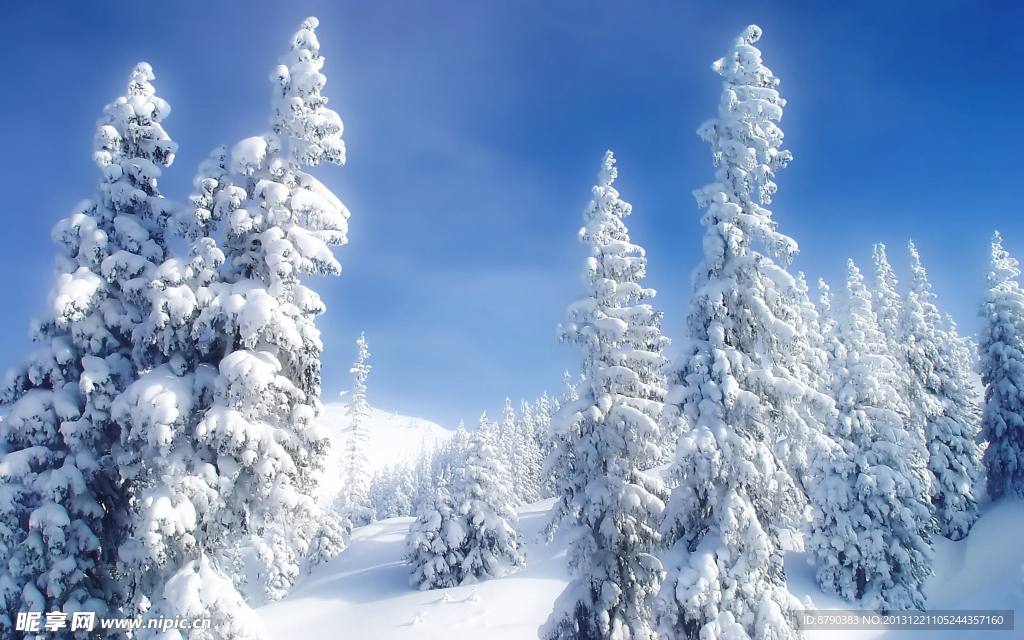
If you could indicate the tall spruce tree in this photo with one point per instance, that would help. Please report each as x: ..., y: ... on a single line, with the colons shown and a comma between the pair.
x: 356, y: 476
x: 469, y: 531
x: 508, y: 444
x: 225, y: 448
x: 889, y: 309
x: 528, y: 458
x: 935, y: 358
x: 1001, y: 364
x: 606, y: 437
x: 62, y: 498
x: 736, y: 390
x: 870, y: 528
x: 885, y: 301
x: 542, y: 411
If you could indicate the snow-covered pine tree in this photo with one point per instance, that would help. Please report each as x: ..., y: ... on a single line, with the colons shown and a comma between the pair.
x: 803, y: 357
x: 735, y: 389
x: 871, y: 524
x: 355, y: 508
x: 391, y: 492
x: 606, y: 438
x: 542, y: 411
x: 555, y: 466
x: 352, y: 507
x: 963, y: 352
x: 885, y: 301
x: 447, y: 457
x: 435, y: 544
x: 828, y: 328
x: 269, y: 374
x: 888, y: 307
x: 493, y: 546
x: 62, y: 500
x: 423, y: 481
x: 569, y: 392
x: 508, y: 446
x: 1001, y: 365
x: 812, y: 368
x: 528, y: 457
x: 222, y: 436
x: 952, y: 415
x: 469, y: 531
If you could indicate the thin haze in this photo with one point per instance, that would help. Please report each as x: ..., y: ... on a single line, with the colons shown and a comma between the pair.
x: 475, y: 131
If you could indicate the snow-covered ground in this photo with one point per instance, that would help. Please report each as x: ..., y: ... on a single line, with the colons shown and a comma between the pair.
x: 365, y: 593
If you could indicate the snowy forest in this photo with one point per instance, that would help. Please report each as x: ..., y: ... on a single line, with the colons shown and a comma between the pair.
x: 164, y: 450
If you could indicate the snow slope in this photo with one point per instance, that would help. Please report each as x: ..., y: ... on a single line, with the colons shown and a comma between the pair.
x: 392, y: 438
x: 365, y: 593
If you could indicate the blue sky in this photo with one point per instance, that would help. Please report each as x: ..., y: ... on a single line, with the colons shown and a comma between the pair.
x: 474, y: 133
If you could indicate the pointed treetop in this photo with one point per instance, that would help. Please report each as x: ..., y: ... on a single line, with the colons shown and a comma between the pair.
x: 922, y: 289
x: 855, y: 282
x: 1002, y: 268
x: 746, y: 146
x: 130, y: 128
x: 919, y: 276
x: 828, y: 321
x: 299, y: 111
x: 884, y: 273
x: 824, y: 295
x: 742, y: 66
x: 886, y: 302
x: 606, y: 176
x: 139, y: 84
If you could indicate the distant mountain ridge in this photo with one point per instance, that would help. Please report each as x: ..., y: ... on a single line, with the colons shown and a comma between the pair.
x: 393, y: 439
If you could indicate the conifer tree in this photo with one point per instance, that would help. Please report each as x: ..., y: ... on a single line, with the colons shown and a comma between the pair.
x: 1001, y: 365
x: 736, y: 389
x: 556, y: 466
x: 493, y: 546
x: 952, y: 414
x: 542, y: 410
x: 222, y: 436
x: 870, y: 529
x: 434, y: 545
x: 607, y: 438
x: 802, y: 423
x: 889, y: 309
x: 529, y: 460
x: 885, y: 301
x: 355, y: 501
x: 507, y: 445
x: 62, y: 501
x: 469, y: 531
